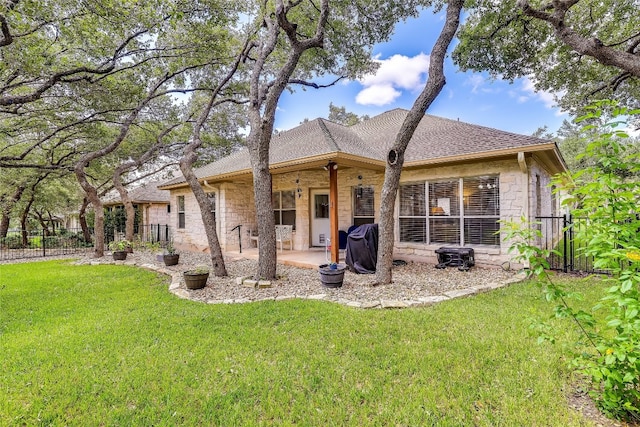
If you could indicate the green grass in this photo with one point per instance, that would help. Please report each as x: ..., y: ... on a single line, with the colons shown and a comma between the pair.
x: 108, y: 345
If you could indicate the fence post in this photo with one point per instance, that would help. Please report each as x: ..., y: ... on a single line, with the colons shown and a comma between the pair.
x: 44, y: 245
x: 565, y: 222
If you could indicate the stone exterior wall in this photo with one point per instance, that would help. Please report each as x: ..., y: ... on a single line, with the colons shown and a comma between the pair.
x: 236, y: 205
x: 155, y: 213
x: 513, y: 203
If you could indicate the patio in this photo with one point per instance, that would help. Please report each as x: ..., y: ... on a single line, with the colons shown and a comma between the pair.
x: 311, y: 258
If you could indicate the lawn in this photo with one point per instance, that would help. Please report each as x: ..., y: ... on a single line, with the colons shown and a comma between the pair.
x: 108, y: 345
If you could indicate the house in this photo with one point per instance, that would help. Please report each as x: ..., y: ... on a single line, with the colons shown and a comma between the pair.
x: 458, y: 180
x: 152, y: 211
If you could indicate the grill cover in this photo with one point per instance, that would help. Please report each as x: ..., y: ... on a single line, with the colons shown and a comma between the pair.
x: 362, y: 249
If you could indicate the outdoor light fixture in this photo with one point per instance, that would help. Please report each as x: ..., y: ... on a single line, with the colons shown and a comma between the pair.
x: 331, y: 165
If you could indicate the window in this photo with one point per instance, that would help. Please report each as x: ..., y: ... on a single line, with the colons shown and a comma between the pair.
x: 212, y: 200
x: 363, y: 210
x: 284, y: 207
x: 181, y: 218
x: 444, y: 212
x: 413, y: 214
x: 481, y: 211
x: 460, y: 212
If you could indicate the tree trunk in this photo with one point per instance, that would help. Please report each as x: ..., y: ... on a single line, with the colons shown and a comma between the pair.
x: 217, y: 260
x: 23, y: 221
x: 395, y: 159
x: 92, y: 195
x: 8, y: 207
x: 263, y: 102
x: 82, y: 218
x: 130, y: 211
x: 262, y: 191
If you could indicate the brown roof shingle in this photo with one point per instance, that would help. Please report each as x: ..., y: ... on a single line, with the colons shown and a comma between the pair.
x: 435, y: 138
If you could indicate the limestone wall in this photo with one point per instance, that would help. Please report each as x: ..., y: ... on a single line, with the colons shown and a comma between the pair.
x: 235, y: 205
x: 156, y: 213
x: 513, y: 204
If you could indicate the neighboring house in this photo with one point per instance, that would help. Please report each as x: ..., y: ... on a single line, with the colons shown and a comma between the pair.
x: 151, y: 204
x: 458, y: 180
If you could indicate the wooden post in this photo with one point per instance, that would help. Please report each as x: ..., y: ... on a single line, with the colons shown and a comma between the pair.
x: 333, y: 211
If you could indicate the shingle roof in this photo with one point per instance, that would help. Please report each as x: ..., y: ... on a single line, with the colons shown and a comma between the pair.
x: 148, y: 193
x: 435, y: 138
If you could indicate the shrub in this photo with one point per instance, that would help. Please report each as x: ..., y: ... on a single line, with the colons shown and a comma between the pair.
x: 12, y: 241
x: 607, y: 193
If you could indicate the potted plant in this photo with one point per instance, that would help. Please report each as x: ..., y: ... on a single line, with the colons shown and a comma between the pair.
x: 170, y: 256
x: 119, y: 249
x: 196, y: 278
x: 332, y: 274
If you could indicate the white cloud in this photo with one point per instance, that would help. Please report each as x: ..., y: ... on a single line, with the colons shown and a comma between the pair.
x: 475, y: 81
x: 397, y: 73
x: 547, y: 98
x: 377, y: 95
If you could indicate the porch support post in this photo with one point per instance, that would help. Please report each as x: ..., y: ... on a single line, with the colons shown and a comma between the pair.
x: 333, y: 211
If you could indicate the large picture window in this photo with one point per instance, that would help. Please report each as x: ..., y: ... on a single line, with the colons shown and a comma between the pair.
x: 181, y: 212
x: 284, y: 207
x: 463, y: 211
x: 363, y: 208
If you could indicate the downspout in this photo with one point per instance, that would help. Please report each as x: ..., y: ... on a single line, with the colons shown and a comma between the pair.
x: 522, y: 162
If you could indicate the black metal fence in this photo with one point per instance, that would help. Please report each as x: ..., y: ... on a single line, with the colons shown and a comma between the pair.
x: 41, y: 243
x: 559, y: 233
x: 147, y: 233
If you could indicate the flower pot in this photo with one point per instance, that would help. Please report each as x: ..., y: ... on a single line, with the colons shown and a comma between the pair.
x: 193, y: 280
x: 170, y: 259
x: 332, y: 278
x: 119, y: 255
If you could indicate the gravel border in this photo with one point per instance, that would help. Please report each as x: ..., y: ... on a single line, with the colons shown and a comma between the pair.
x: 414, y: 284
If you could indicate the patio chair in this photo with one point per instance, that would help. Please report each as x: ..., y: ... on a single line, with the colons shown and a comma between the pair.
x: 284, y: 233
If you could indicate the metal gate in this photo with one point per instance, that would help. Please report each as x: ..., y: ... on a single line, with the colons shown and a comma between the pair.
x: 559, y: 233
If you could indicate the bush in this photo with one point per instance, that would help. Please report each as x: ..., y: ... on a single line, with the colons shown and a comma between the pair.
x: 53, y: 242
x: 13, y: 241
x: 607, y: 194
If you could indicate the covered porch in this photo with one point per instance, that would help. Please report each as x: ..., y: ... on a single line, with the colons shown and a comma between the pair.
x: 309, y: 258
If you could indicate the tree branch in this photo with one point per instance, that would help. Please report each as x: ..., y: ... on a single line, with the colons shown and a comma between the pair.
x: 583, y: 45
x: 315, y: 85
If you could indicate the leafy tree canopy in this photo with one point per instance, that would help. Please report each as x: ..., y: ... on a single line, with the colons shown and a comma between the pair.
x: 344, y: 117
x: 580, y: 50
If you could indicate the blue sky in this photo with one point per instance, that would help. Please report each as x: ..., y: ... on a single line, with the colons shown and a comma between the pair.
x: 469, y: 97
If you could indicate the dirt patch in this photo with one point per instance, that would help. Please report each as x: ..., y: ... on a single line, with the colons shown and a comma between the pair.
x: 580, y: 400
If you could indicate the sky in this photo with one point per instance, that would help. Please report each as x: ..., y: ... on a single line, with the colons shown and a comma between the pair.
x: 468, y: 96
